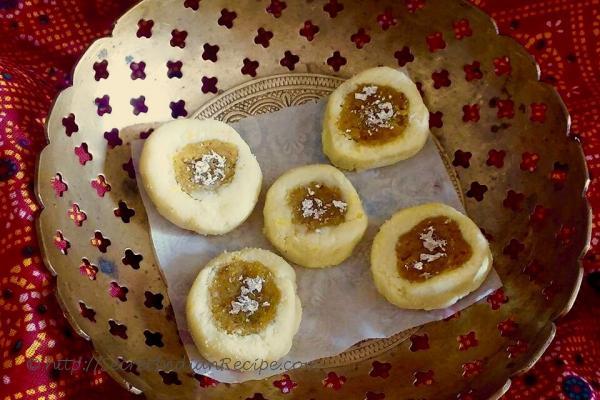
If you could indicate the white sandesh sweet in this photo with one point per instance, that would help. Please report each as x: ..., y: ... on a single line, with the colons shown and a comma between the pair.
x: 435, y: 291
x: 208, y: 212
x: 345, y: 152
x: 209, y: 169
x: 274, y: 340
x: 327, y: 245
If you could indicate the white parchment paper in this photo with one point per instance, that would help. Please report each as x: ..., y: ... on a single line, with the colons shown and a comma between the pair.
x: 340, y: 305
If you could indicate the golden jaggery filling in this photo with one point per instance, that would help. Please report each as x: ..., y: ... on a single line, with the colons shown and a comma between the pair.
x: 317, y: 205
x: 433, y: 246
x: 244, y: 297
x: 374, y: 114
x: 205, y: 165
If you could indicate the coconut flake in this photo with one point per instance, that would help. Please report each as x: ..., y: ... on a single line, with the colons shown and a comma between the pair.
x: 340, y: 205
x: 252, y: 285
x: 311, y: 208
x: 209, y: 169
x: 366, y: 92
x: 243, y: 303
x: 381, y: 115
x: 431, y: 243
x: 431, y: 257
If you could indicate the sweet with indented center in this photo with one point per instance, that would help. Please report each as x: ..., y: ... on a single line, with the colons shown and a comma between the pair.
x: 313, y: 216
x: 243, y: 306
x: 429, y: 257
x: 200, y: 175
x: 374, y: 119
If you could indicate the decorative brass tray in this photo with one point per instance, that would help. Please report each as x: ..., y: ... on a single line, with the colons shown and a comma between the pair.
x: 506, y: 134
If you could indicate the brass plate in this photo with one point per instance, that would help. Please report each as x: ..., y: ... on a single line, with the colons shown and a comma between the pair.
x: 515, y: 143
x: 273, y: 93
